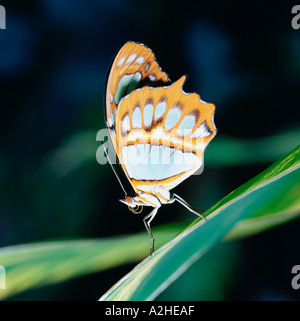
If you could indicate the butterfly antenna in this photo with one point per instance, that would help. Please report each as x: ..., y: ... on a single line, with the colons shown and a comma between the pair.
x: 118, y: 178
x: 189, y: 207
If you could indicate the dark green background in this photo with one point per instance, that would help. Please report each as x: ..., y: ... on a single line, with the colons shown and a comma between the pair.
x: 54, y: 60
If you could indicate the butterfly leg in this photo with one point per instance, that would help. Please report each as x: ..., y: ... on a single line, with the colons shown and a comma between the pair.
x: 150, y: 217
x: 177, y: 198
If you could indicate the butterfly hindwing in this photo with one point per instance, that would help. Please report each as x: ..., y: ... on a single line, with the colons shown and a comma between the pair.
x: 162, y: 133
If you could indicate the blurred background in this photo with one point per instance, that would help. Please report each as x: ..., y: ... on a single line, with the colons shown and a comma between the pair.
x: 54, y: 60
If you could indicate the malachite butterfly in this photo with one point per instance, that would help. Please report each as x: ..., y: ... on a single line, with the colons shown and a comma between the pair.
x: 158, y: 131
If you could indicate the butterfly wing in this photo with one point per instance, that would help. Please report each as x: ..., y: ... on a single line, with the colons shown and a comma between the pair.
x: 162, y: 134
x: 133, y: 67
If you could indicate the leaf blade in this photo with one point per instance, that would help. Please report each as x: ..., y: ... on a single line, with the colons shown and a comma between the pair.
x: 177, y: 255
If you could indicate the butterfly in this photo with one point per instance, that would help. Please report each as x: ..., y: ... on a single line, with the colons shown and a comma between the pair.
x: 158, y: 131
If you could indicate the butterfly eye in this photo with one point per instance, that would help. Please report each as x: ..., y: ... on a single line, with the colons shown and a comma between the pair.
x: 129, y: 201
x: 134, y: 208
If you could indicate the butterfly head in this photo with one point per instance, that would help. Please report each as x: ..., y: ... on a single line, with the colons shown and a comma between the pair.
x: 134, y: 207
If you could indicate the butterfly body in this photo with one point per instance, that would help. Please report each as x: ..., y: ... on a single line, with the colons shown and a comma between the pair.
x: 158, y: 131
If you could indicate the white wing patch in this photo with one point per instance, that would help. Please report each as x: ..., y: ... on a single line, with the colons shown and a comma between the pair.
x: 121, y: 61
x: 152, y: 77
x: 137, y: 118
x: 125, y: 124
x: 139, y: 60
x: 131, y: 58
x: 160, y: 109
x: 173, y: 116
x: 201, y: 131
x: 111, y: 120
x: 157, y: 162
x: 148, y: 114
x: 186, y: 125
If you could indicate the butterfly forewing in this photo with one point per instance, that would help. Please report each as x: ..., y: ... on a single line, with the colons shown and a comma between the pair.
x: 133, y: 67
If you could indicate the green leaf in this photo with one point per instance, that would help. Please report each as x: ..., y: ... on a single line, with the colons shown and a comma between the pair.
x: 31, y: 265
x: 230, y: 151
x: 251, y: 199
x: 243, y: 212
